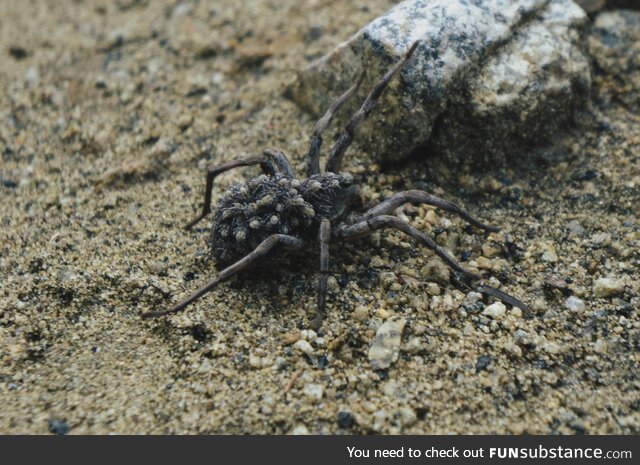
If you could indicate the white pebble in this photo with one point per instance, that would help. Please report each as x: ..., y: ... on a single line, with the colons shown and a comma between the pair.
x: 300, y: 430
x: 574, y: 304
x: 608, y: 287
x: 497, y: 311
x: 386, y: 345
x: 308, y: 335
x: 550, y: 255
x: 303, y: 346
x: 313, y: 391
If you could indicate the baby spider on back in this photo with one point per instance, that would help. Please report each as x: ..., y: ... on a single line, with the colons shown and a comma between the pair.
x: 276, y: 211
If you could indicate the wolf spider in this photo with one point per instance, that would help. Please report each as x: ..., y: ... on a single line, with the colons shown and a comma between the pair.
x: 276, y: 210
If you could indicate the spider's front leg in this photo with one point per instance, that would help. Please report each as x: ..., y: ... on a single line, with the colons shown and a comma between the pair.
x: 417, y: 197
x: 346, y: 137
x: 263, y: 249
x: 324, y: 236
x: 215, y: 170
x: 272, y: 161
x: 313, y: 157
x: 368, y: 226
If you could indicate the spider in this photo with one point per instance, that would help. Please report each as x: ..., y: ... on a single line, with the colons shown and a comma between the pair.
x: 277, y: 211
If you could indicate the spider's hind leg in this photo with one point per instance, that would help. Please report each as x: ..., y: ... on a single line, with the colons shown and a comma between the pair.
x: 263, y: 249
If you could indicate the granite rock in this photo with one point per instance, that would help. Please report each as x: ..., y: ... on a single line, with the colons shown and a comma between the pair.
x: 614, y: 44
x: 488, y: 77
x: 591, y: 6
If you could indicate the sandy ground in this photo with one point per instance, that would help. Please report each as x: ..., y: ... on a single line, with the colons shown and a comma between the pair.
x: 109, y: 112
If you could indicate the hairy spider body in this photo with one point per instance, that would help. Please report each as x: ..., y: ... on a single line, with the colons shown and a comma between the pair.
x: 276, y: 211
x: 250, y: 212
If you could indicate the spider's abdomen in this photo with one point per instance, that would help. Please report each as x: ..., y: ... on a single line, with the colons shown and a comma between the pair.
x: 249, y: 213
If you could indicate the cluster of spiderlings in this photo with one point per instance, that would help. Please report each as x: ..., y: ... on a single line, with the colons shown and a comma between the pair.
x: 249, y: 213
x: 328, y: 193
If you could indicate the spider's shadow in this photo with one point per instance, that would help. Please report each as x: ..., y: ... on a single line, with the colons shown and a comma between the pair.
x: 296, y: 273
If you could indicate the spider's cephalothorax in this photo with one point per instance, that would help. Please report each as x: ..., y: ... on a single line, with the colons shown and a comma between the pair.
x: 278, y: 211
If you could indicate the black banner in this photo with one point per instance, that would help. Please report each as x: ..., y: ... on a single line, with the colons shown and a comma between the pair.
x: 305, y: 450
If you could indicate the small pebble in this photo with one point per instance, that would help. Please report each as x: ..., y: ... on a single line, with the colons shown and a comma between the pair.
x: 496, y: 310
x: 484, y: 263
x: 483, y: 362
x: 361, y: 313
x: 591, y: 6
x: 414, y: 345
x: 313, y: 391
x: 575, y: 228
x: 407, y: 416
x: 600, y: 346
x: 308, y: 335
x: 345, y: 420
x: 184, y: 121
x: 386, y: 344
x: 601, y: 239
x: 608, y: 287
x: 300, y: 430
x: 550, y: 255
x: 303, y: 346
x: 513, y: 349
x: 433, y: 289
x: 59, y: 427
x: 574, y: 304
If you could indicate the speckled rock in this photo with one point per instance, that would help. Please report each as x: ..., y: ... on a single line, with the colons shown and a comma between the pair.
x: 591, y: 6
x: 386, y: 345
x: 487, y: 76
x: 614, y: 44
x: 523, y: 94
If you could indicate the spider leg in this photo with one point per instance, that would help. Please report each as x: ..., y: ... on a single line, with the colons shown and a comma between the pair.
x: 279, y: 160
x: 313, y: 157
x: 388, y: 206
x: 506, y: 298
x: 215, y: 170
x: 368, y: 226
x: 345, y: 139
x: 265, y: 247
x: 324, y: 237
